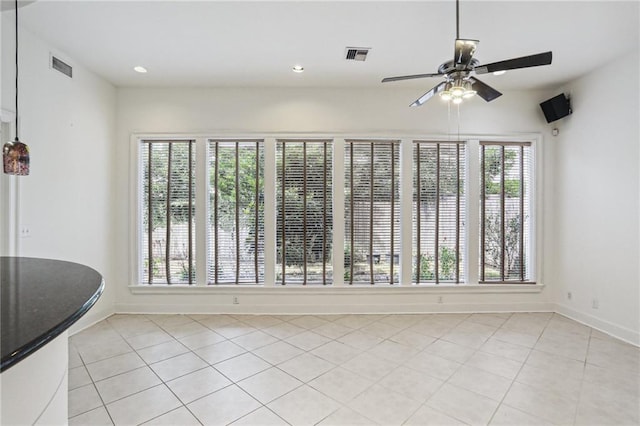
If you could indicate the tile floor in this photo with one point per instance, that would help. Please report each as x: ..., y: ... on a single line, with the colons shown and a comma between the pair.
x: 439, y: 369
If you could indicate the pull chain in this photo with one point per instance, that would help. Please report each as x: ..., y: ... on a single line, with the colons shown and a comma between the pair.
x: 458, y: 122
x: 449, y: 120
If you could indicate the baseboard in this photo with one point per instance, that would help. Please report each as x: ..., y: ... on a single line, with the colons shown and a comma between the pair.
x: 619, y: 332
x: 614, y: 330
x: 124, y: 308
x: 89, y: 319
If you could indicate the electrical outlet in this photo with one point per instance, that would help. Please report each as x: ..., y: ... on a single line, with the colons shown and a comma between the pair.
x: 25, y: 231
x: 440, y: 299
x: 236, y: 300
x: 569, y: 295
x: 595, y: 304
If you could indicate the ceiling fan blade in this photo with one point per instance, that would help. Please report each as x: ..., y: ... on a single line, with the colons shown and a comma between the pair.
x: 424, y: 98
x: 516, y: 63
x: 486, y: 92
x: 464, y: 52
x: 410, y: 77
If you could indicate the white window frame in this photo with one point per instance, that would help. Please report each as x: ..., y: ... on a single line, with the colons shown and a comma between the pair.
x: 471, y: 235
x: 526, y: 247
x: 536, y: 210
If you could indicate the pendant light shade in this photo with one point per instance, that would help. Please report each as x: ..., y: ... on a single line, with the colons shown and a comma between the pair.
x: 15, y: 158
x: 15, y: 154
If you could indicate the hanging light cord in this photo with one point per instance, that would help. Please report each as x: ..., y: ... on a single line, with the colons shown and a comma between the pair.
x: 17, y: 115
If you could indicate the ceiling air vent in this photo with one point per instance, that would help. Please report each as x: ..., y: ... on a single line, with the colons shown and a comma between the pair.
x: 357, y: 53
x: 61, y: 66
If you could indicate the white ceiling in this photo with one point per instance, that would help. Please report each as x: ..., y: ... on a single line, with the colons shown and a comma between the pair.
x: 255, y: 44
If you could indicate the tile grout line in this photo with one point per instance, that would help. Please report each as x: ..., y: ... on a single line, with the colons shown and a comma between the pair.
x: 151, y: 369
x: 236, y: 383
x: 518, y: 373
x: 95, y: 388
x: 368, y: 328
x: 192, y: 351
x: 232, y: 382
x: 584, y: 370
x: 147, y: 365
x: 376, y: 382
x: 211, y: 365
x: 162, y: 380
x: 444, y: 382
x: 170, y: 390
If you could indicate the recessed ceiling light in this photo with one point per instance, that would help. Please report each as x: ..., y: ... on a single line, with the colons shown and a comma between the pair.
x: 298, y: 68
x: 140, y: 69
x: 499, y: 72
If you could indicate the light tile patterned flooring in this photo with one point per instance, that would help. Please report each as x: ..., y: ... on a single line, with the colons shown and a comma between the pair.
x: 439, y: 369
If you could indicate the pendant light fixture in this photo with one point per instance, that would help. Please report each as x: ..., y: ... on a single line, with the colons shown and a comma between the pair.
x: 15, y: 154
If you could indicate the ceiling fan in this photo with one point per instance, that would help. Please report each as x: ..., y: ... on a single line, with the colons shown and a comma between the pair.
x: 459, y: 83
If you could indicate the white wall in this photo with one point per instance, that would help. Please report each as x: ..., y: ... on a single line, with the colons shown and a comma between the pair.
x: 596, y: 201
x: 337, y: 110
x: 69, y: 126
x: 76, y: 202
x: 374, y: 112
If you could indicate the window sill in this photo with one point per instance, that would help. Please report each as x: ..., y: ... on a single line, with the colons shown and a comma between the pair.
x: 260, y: 289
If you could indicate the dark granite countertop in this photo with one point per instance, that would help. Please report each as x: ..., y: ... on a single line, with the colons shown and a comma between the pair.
x: 41, y: 298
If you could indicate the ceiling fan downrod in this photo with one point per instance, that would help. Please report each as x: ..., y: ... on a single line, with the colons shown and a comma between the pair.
x: 457, y: 19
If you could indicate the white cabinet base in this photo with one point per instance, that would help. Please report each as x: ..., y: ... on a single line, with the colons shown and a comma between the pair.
x: 34, y: 391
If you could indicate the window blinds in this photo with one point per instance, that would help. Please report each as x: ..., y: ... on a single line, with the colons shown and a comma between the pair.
x: 304, y: 212
x: 372, y: 212
x: 236, y: 207
x: 438, y: 211
x: 504, y: 210
x: 168, y: 211
x: 230, y: 229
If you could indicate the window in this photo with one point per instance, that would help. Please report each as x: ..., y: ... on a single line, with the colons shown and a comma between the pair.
x: 236, y: 212
x: 438, y: 212
x: 372, y: 212
x: 504, y: 212
x: 304, y: 212
x: 226, y: 211
x: 168, y: 197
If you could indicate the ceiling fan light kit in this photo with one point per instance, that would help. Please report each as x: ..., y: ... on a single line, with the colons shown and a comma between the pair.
x: 457, y: 91
x: 459, y: 82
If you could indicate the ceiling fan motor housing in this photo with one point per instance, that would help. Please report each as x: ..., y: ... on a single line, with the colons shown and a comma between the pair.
x: 450, y: 67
